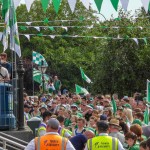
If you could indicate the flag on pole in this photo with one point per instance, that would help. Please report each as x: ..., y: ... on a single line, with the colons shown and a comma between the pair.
x: 84, y: 76
x: 38, y: 58
x: 148, y: 91
x: 14, y: 35
x: 5, y: 14
x: 10, y: 27
x: 146, y: 115
x: 80, y: 89
x: 114, y: 106
x: 37, y: 76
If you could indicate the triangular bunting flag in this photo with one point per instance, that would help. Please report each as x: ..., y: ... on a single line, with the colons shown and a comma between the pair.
x: 72, y: 4
x: 145, y: 40
x: 115, y: 4
x: 65, y: 28
x: 28, y: 4
x: 37, y: 28
x: 1, y: 33
x: 145, y: 4
x: 45, y: 4
x: 136, y: 41
x: 27, y: 36
x: 56, y: 4
x: 124, y: 4
x: 16, y: 3
x: 52, y: 36
x: 28, y: 23
x: 98, y: 4
x: 86, y: 3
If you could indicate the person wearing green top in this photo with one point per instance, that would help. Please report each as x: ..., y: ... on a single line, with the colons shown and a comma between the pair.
x: 131, y: 139
x: 57, y: 85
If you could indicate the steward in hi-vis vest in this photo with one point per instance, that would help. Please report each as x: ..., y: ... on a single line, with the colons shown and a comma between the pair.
x: 51, y: 140
x: 103, y: 141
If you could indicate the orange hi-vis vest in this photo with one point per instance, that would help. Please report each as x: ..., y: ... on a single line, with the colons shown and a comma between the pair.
x: 50, y: 142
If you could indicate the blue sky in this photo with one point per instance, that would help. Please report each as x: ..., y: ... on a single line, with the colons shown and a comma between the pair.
x: 107, y: 9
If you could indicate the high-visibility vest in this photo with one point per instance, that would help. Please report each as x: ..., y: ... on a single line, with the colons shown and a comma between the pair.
x: 103, y: 143
x: 41, y: 127
x: 50, y: 142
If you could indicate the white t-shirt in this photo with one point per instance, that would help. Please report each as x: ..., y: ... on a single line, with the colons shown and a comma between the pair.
x: 4, y: 73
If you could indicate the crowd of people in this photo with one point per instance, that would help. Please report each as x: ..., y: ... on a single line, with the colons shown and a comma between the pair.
x: 86, y: 122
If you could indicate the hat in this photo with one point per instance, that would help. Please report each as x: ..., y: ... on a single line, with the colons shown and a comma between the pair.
x: 127, y: 105
x: 91, y: 98
x: 102, y: 125
x: 120, y: 108
x: 90, y: 106
x: 115, y: 122
x: 103, y: 117
x: 43, y: 99
x: 49, y: 104
x: 137, y: 121
x: 74, y: 105
x: 125, y: 97
x: 43, y: 106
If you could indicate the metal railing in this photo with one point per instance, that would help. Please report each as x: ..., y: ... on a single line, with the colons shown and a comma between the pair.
x: 10, y: 142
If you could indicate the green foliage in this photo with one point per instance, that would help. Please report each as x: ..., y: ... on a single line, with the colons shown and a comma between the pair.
x: 119, y: 66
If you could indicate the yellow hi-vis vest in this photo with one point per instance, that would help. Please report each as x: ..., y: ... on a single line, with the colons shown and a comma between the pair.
x: 103, y: 143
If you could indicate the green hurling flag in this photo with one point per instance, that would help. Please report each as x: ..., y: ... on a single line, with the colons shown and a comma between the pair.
x: 98, y: 4
x: 115, y: 4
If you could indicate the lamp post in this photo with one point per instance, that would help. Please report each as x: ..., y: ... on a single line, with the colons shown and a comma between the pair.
x: 42, y: 68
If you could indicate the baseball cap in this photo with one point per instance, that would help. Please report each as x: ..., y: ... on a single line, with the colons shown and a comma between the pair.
x: 137, y: 121
x: 103, y: 117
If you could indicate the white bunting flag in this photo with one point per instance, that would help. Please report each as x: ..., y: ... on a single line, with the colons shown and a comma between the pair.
x: 136, y: 41
x: 1, y: 34
x: 27, y: 36
x: 65, y: 28
x: 28, y: 23
x: 141, y: 27
x: 86, y: 3
x: 16, y: 3
x: 124, y: 4
x: 28, y: 4
x: 52, y: 36
x: 145, y: 4
x: 72, y: 4
x: 37, y: 28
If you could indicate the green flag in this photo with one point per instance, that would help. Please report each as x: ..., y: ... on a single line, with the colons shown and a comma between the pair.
x: 148, y: 91
x: 115, y: 4
x: 14, y: 35
x: 38, y: 58
x: 146, y: 116
x: 5, y: 14
x: 80, y: 89
x: 56, y: 4
x: 45, y: 4
x: 98, y: 4
x: 84, y: 76
x: 114, y: 106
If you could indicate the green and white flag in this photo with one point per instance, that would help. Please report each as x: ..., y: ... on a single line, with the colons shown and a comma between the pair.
x: 114, y: 106
x: 146, y: 115
x: 37, y: 76
x: 80, y: 89
x: 85, y: 77
x: 38, y: 59
x: 14, y: 35
x: 5, y: 14
x: 9, y: 14
x: 148, y: 91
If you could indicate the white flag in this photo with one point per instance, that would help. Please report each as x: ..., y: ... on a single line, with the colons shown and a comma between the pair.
x: 28, y: 4
x: 136, y: 41
x: 72, y: 4
x: 145, y: 4
x: 27, y: 36
x: 124, y: 4
x: 65, y: 28
x: 1, y: 33
x: 37, y: 28
x: 52, y: 36
x: 16, y: 3
x: 86, y: 3
x: 28, y: 23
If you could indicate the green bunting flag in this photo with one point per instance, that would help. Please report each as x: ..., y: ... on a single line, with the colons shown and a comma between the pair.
x: 115, y: 4
x: 148, y: 91
x: 80, y: 89
x: 145, y: 40
x: 98, y: 4
x: 85, y: 77
x: 45, y: 4
x: 56, y: 4
x: 114, y: 106
x: 146, y: 116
